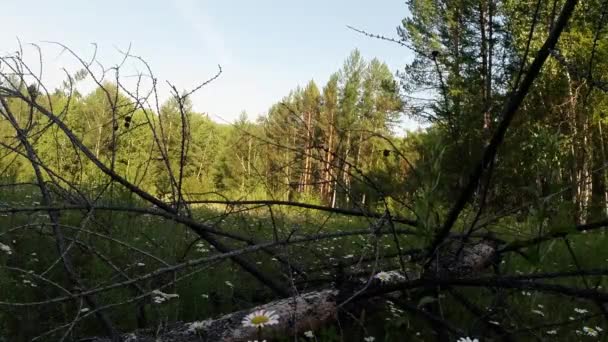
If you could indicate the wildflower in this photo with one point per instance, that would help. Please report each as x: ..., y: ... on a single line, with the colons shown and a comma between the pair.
x: 27, y: 282
x: 6, y: 249
x: 383, y: 276
x: 160, y: 297
x: 196, y: 326
x: 387, y: 276
x: 552, y: 332
x: 581, y: 311
x: 599, y: 329
x: 309, y: 334
x: 538, y: 312
x: 590, y: 331
x: 260, y: 318
x: 369, y: 339
x: 467, y: 339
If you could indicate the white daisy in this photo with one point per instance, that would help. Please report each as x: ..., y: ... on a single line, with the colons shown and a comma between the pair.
x: 383, y: 276
x: 260, y: 318
x: 160, y: 297
x: 309, y: 334
x: 467, y: 339
x: 552, y: 332
x: 197, y: 326
x: 6, y: 249
x: 581, y: 311
x: 590, y: 331
x: 538, y: 312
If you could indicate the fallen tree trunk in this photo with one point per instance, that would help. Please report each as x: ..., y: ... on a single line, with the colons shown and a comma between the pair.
x: 313, y: 310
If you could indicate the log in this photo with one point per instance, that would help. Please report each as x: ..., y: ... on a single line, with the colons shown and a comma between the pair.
x: 313, y: 310
x: 309, y: 311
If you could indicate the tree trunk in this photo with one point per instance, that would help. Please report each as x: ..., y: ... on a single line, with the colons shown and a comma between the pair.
x: 326, y: 187
x: 597, y: 208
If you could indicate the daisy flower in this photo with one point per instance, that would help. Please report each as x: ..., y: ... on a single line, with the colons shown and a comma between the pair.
x: 467, y: 339
x: 260, y: 318
x: 590, y: 331
x: 538, y: 312
x: 309, y: 334
x: 383, y: 276
x: 197, y: 326
x: 159, y: 297
x: 6, y: 249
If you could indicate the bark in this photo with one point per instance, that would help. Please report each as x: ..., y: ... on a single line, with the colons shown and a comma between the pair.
x: 308, y: 154
x: 604, y: 174
x: 581, y: 158
x: 327, y: 174
x: 598, y: 181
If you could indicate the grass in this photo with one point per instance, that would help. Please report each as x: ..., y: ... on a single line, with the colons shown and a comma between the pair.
x: 221, y: 288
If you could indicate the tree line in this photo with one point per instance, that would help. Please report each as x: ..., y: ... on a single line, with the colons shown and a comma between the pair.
x: 338, y: 144
x: 311, y: 145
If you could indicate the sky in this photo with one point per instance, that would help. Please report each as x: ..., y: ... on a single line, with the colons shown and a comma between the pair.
x: 265, y: 48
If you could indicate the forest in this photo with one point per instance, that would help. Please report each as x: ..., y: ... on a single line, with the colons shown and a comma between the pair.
x: 124, y: 217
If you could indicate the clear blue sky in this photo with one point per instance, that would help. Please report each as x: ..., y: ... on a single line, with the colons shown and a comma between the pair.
x: 265, y: 47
